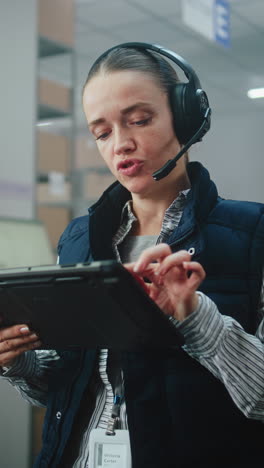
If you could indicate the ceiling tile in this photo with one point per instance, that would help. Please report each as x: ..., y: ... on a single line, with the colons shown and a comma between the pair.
x: 251, y: 10
x: 153, y: 31
x: 108, y: 14
x: 167, y: 8
x: 92, y: 42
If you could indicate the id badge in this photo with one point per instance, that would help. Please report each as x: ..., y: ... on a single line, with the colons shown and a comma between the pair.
x: 109, y: 450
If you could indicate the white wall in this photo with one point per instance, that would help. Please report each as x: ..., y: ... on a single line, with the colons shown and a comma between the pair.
x: 15, y: 428
x: 18, y: 49
x: 233, y: 153
x: 17, y: 121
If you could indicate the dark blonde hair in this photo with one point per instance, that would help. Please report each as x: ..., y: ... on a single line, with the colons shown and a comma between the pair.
x: 125, y: 58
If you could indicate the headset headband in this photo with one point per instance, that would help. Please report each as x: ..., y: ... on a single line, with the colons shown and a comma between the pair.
x: 180, y: 61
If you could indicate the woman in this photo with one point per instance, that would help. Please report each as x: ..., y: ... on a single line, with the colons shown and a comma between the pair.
x: 200, y: 406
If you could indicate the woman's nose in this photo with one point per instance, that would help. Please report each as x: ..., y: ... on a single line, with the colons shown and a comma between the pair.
x: 123, y: 143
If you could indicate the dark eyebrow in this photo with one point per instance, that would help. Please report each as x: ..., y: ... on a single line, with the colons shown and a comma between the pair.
x: 125, y: 111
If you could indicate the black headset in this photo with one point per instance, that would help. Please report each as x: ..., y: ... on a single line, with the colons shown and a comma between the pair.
x: 189, y: 103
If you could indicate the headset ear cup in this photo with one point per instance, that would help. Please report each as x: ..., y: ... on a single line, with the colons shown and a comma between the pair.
x: 188, y: 106
x: 177, y: 108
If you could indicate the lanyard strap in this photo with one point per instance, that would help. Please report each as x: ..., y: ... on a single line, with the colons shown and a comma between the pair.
x: 114, y: 420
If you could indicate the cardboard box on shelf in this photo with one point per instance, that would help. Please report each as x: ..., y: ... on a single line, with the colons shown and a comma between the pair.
x: 54, y: 95
x: 53, y: 152
x: 96, y: 183
x: 56, y: 20
x: 55, y: 219
x: 38, y: 415
x: 87, y: 154
x: 54, y: 190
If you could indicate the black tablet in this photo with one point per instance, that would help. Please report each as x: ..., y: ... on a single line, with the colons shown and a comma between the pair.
x: 95, y: 305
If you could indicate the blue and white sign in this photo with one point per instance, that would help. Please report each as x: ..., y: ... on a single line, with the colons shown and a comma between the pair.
x: 211, y: 18
x: 222, y: 22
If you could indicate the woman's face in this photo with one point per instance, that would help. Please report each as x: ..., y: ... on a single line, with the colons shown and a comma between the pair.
x: 130, y: 119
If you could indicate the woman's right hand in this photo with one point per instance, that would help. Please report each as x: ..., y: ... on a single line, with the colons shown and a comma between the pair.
x: 14, y: 341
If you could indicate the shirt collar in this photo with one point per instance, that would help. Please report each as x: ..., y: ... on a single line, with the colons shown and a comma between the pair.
x: 178, y: 203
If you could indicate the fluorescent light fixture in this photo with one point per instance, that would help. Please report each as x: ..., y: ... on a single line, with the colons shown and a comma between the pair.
x: 256, y: 93
x: 44, y: 123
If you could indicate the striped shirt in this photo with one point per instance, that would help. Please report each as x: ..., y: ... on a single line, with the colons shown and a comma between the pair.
x: 218, y: 342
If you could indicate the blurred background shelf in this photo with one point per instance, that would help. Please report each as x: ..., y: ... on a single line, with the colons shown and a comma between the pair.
x: 47, y: 47
x: 55, y: 103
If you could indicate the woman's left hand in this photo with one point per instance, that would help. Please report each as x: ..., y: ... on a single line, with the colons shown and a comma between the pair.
x: 173, y: 277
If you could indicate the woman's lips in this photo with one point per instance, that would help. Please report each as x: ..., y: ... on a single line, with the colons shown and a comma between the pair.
x: 129, y: 167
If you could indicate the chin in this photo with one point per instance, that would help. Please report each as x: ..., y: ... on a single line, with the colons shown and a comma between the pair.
x: 137, y: 187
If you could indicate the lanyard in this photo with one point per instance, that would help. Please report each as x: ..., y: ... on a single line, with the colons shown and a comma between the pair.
x: 114, y: 420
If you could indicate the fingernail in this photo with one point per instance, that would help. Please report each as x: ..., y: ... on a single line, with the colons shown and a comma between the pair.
x: 24, y: 329
x: 37, y: 344
x: 33, y: 335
